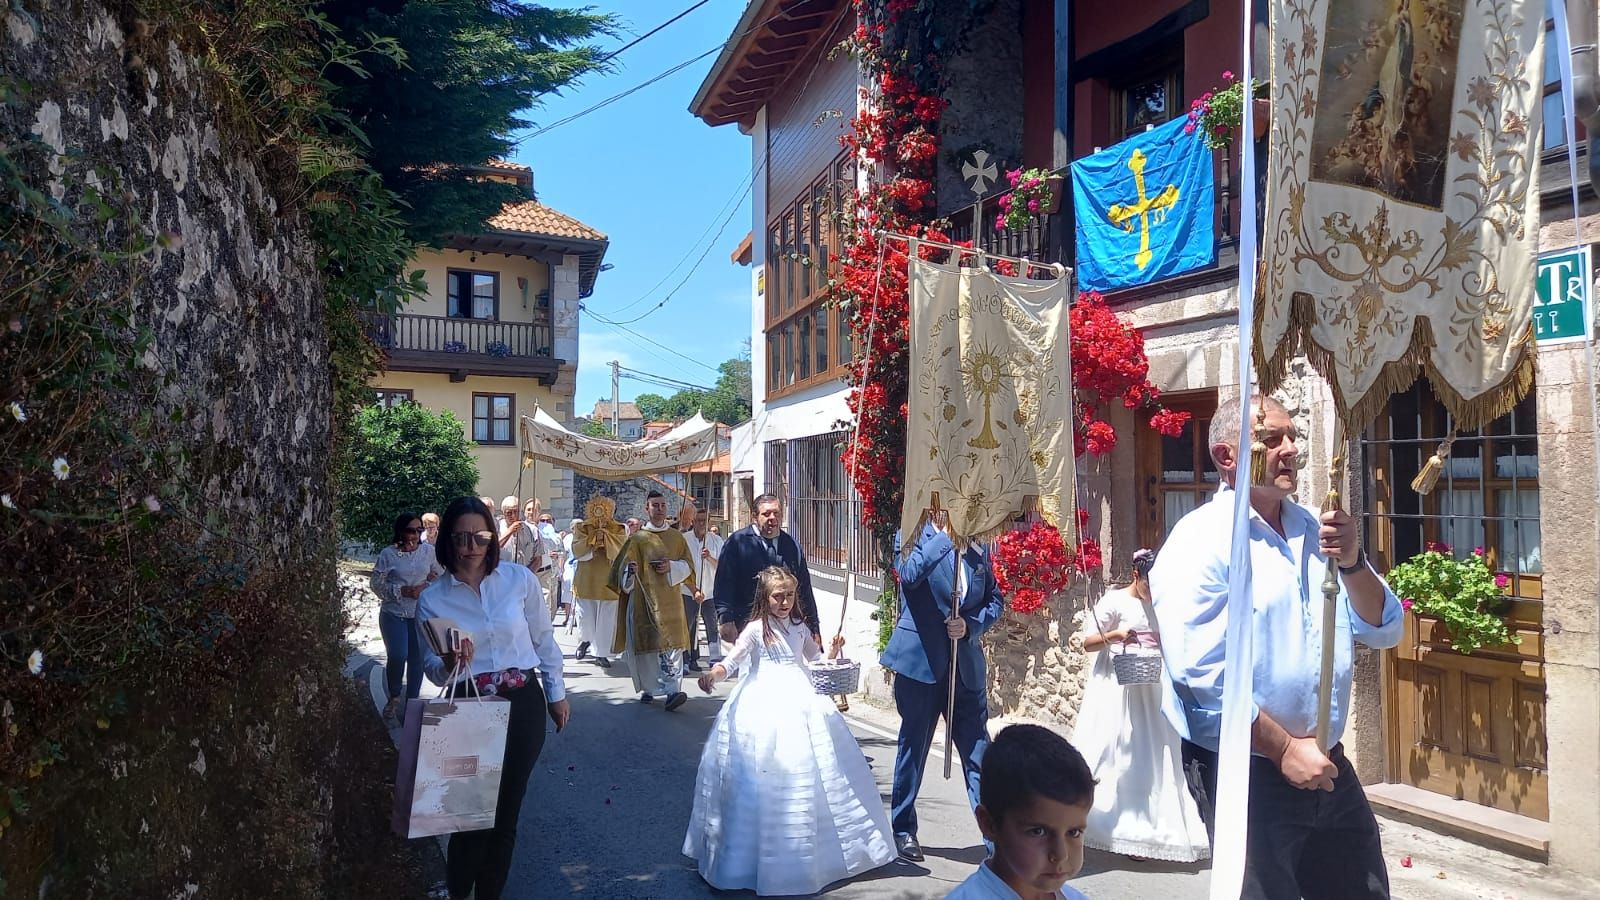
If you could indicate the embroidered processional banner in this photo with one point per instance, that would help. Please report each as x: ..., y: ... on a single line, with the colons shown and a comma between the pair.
x: 989, y: 425
x: 1402, y: 195
x: 695, y: 441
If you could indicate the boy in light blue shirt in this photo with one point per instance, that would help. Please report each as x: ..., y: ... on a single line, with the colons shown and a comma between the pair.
x: 1033, y: 805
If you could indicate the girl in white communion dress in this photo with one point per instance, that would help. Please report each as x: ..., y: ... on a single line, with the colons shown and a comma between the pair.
x: 784, y: 802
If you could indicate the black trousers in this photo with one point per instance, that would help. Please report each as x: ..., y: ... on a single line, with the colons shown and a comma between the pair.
x: 1301, y: 843
x: 481, y: 860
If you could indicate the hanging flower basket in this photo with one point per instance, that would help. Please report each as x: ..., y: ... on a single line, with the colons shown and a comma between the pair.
x: 1462, y: 594
x: 1034, y: 192
x: 1218, y: 113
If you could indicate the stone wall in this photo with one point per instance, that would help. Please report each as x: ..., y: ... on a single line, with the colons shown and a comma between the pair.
x: 220, y: 779
x: 985, y: 94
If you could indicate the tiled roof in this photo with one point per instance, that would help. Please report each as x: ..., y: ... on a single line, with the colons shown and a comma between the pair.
x: 533, y: 217
x: 508, y: 166
x: 602, y: 410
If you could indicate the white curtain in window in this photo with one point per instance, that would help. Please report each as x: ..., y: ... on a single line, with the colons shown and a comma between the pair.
x: 1519, y: 531
x: 1462, y: 519
x: 1176, y: 505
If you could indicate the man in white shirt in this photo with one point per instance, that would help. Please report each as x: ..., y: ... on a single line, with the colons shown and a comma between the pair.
x: 1311, y: 832
x: 549, y: 565
x: 519, y: 541
x: 704, y: 549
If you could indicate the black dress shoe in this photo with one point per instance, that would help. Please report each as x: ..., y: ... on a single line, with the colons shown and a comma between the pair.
x: 694, y: 666
x: 583, y: 650
x: 602, y: 662
x: 646, y: 698
x: 677, y: 700
x: 908, y: 847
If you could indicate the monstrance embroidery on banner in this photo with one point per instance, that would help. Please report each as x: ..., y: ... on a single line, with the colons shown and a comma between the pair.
x: 1400, y: 226
x: 989, y: 358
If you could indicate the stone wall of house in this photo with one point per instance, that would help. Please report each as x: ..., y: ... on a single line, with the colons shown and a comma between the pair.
x: 985, y: 94
x: 564, y: 316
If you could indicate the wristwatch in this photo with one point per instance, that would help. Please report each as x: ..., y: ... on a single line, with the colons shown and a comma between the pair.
x: 1358, y: 565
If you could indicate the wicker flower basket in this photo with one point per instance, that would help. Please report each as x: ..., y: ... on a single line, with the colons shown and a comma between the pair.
x: 1136, y: 668
x: 831, y: 677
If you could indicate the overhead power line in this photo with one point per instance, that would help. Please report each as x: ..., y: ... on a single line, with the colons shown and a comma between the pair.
x: 636, y: 334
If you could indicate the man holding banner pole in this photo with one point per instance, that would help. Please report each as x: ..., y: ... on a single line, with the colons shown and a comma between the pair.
x: 1311, y: 831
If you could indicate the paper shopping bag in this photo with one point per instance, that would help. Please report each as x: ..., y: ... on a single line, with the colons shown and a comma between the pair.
x: 450, y: 759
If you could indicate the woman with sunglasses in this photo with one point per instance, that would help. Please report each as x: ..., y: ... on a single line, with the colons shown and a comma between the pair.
x: 497, y: 605
x: 403, y: 569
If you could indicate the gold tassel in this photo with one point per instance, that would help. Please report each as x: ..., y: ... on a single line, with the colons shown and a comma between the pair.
x: 1258, y: 447
x: 1424, y: 483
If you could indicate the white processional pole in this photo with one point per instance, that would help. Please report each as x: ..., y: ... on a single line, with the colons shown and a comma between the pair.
x: 1233, y: 750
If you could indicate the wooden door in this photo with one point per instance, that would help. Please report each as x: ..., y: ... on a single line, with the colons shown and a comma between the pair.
x: 1472, y: 726
x: 1175, y: 474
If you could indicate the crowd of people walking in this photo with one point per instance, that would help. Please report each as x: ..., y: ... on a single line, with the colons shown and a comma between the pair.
x: 1138, y: 778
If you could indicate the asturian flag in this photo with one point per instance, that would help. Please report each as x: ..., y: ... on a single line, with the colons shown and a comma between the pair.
x: 1144, y: 209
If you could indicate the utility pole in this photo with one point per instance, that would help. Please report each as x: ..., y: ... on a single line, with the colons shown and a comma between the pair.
x: 616, y: 401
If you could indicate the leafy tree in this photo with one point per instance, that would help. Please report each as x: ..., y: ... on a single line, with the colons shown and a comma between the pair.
x: 469, y: 68
x: 727, y: 402
x: 407, y: 457
x: 595, y: 428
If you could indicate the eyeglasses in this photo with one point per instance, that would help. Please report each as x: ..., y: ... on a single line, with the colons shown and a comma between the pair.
x: 467, y: 538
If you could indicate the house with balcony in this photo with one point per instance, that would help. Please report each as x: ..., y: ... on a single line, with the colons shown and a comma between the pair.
x: 1488, y: 745
x: 497, y: 335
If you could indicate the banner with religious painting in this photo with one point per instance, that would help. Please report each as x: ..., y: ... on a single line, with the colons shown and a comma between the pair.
x: 1402, y: 190
x: 989, y: 426
x: 694, y: 441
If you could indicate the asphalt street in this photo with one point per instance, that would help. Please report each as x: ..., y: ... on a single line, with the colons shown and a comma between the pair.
x: 607, y: 809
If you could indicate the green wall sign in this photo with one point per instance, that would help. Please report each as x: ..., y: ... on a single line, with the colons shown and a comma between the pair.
x: 1561, y: 311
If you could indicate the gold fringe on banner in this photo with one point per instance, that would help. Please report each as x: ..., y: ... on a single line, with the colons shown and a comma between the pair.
x: 1397, y: 376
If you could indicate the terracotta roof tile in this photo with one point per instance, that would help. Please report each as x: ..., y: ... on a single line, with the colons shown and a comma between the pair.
x: 508, y: 166
x: 533, y: 217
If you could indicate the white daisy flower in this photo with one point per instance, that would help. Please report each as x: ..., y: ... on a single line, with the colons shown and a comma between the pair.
x: 36, y: 662
x: 60, y: 468
x: 7, y: 502
x: 17, y: 412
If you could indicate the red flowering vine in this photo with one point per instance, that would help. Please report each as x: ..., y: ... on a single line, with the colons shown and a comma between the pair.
x: 895, y: 140
x: 1031, y: 566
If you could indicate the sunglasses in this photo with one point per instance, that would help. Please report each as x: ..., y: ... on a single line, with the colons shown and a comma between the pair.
x: 467, y: 538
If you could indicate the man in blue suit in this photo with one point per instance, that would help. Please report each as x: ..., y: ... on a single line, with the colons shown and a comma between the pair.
x: 919, y: 654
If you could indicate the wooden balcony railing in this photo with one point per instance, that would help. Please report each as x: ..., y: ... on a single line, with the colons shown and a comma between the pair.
x: 465, y: 346
x: 1036, y: 241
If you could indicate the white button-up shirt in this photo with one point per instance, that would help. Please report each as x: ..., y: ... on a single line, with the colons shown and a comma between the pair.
x: 507, y: 620
x: 705, y: 570
x: 1190, y: 586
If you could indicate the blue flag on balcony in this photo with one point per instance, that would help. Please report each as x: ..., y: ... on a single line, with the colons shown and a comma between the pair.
x: 1144, y: 209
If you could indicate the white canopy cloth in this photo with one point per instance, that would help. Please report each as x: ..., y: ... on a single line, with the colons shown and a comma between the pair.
x: 695, y: 441
x: 989, y: 419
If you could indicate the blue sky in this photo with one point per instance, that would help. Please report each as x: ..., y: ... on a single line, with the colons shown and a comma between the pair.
x: 657, y: 181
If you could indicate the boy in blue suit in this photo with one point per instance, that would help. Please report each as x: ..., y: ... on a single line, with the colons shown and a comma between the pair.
x: 919, y: 654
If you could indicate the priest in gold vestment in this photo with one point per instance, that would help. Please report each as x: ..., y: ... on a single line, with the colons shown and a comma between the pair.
x: 596, y: 541
x: 649, y: 575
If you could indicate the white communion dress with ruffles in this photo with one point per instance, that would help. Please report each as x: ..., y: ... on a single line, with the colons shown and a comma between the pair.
x: 784, y: 803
